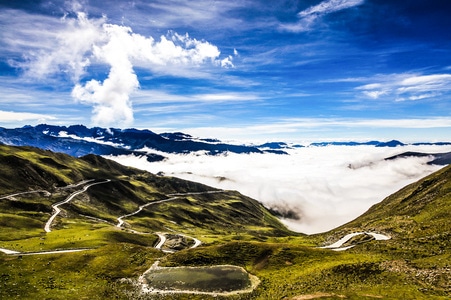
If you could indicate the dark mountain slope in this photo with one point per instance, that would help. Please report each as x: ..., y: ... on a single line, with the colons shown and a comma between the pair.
x: 25, y: 168
x: 43, y: 138
x: 78, y: 140
x: 48, y: 174
x: 436, y: 158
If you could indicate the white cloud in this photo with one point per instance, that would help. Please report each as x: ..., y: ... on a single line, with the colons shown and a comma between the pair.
x: 78, y: 43
x: 69, y: 49
x: 309, y: 16
x: 174, y: 13
x: 227, y: 62
x: 371, y: 86
x: 425, y: 83
x: 226, y: 97
x: 9, y: 116
x: 426, y: 80
x: 311, y: 129
x: 17, y: 35
x: 374, y: 94
x: 294, y: 123
x: 326, y: 186
x: 408, y: 86
x: 329, y: 6
x: 155, y: 97
x: 422, y: 96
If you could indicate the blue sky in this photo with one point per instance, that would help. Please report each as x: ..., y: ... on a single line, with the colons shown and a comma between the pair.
x: 234, y: 70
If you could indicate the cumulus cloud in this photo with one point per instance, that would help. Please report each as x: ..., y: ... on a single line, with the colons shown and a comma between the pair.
x: 309, y: 16
x: 80, y: 43
x: 412, y: 87
x: 319, y: 188
x: 227, y: 62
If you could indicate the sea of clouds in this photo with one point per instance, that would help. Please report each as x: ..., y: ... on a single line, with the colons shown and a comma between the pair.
x: 321, y: 187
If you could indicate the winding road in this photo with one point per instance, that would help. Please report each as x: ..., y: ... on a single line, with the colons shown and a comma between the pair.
x: 67, y: 200
x: 175, y: 197
x: 57, y: 210
x: 163, y: 240
x: 162, y: 236
x: 121, y: 221
x: 12, y: 252
x: 337, y: 246
x: 23, y: 193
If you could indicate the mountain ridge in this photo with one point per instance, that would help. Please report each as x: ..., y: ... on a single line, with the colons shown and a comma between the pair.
x: 37, y: 169
x: 436, y: 158
x: 79, y: 140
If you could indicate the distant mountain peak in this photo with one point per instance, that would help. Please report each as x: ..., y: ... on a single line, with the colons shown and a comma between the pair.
x: 79, y: 140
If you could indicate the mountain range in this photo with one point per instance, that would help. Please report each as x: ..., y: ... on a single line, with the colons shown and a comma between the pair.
x: 79, y: 140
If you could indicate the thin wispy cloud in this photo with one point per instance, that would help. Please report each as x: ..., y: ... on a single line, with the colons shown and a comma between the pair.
x: 386, y: 123
x: 330, y: 6
x: 313, y: 129
x: 401, y: 87
x: 10, y: 116
x: 177, y: 13
x: 160, y: 96
x: 310, y: 16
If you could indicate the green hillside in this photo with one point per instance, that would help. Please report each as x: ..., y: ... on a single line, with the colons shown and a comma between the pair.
x: 196, y: 207
x: 115, y: 213
x: 414, y: 264
x: 419, y: 209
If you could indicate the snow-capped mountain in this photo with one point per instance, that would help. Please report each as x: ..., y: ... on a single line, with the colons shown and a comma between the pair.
x: 78, y: 140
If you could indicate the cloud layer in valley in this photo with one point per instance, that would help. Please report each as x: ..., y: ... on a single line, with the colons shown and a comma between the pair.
x: 319, y: 188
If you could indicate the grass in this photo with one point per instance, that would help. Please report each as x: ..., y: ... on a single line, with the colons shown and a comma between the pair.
x: 76, y: 234
x: 234, y: 230
x: 288, y: 270
x: 91, y: 274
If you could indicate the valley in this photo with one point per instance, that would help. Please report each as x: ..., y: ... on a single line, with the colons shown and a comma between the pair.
x: 124, y: 233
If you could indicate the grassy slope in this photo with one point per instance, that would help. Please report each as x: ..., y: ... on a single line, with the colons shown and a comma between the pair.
x: 117, y: 253
x: 414, y: 264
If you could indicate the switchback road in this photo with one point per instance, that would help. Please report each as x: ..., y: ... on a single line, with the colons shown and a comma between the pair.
x: 67, y: 200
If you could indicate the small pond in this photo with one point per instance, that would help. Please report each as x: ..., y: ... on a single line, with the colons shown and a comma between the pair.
x: 215, y: 279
